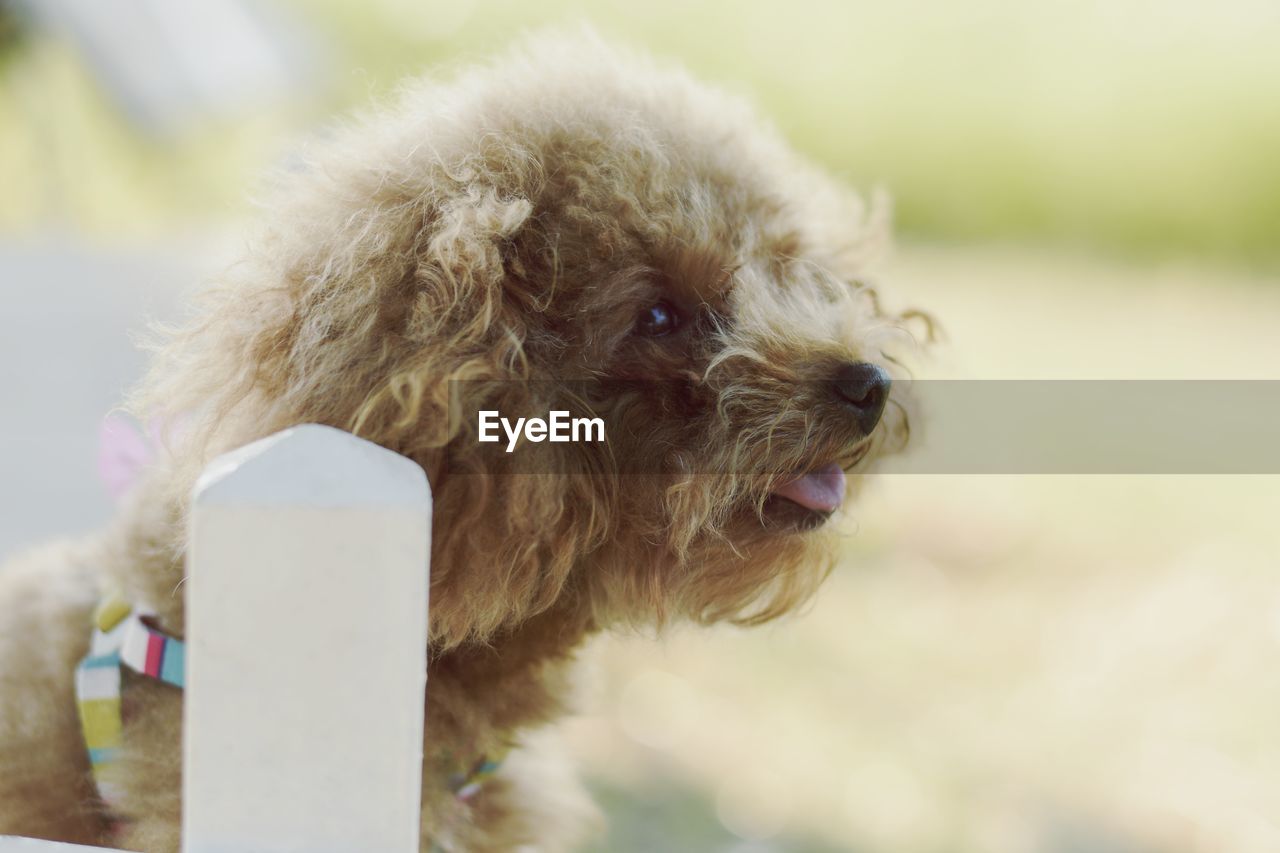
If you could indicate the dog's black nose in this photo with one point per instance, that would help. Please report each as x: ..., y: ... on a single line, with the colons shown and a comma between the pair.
x: 864, y: 388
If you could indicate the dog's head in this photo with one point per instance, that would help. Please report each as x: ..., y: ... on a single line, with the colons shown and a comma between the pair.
x: 572, y: 229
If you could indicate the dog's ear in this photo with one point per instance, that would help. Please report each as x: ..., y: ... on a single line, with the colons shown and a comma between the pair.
x: 505, y: 543
x: 360, y: 297
x: 469, y: 239
x: 449, y: 320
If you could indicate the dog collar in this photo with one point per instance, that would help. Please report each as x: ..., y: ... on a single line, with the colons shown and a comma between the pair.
x: 122, y: 638
x: 126, y: 638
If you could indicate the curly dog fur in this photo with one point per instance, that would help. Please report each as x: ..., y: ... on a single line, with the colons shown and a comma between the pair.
x: 436, y: 256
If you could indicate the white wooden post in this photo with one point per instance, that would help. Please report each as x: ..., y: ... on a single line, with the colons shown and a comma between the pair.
x: 307, y: 627
x: 306, y: 650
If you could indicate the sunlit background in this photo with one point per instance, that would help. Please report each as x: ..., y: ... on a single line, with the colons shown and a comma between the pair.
x: 1083, y: 189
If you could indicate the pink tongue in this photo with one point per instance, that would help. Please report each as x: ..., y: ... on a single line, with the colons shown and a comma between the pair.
x: 821, y: 490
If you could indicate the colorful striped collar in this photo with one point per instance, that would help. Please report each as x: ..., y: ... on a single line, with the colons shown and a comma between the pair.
x: 122, y: 637
x: 127, y: 638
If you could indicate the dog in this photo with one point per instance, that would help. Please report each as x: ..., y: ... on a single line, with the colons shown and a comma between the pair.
x: 569, y: 212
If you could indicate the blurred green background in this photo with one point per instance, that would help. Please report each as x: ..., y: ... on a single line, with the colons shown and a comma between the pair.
x: 1139, y: 128
x: 1001, y: 664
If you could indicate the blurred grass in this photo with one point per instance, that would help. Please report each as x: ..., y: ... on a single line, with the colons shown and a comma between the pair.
x: 669, y: 814
x: 974, y: 680
x: 1138, y: 128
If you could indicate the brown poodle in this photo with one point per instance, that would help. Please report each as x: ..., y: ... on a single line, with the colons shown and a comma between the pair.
x: 568, y: 214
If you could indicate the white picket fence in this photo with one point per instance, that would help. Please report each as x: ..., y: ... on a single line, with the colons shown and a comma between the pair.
x: 306, y: 650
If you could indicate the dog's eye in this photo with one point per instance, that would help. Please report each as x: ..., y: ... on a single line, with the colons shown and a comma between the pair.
x: 657, y: 320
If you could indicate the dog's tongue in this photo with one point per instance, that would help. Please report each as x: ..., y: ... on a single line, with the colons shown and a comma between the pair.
x: 820, y: 491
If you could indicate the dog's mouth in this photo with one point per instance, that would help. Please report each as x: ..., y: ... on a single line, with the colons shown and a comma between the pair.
x: 821, y: 490
x: 808, y: 500
x: 805, y: 501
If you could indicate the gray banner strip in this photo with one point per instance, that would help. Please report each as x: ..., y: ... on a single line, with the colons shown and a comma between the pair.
x: 957, y: 426
x: 1092, y: 427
